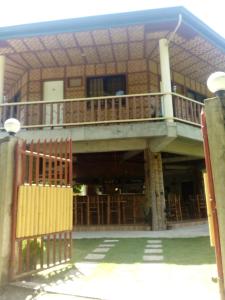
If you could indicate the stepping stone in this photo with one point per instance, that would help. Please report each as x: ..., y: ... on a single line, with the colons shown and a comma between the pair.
x: 154, y: 242
x: 101, y: 250
x: 153, y: 246
x: 153, y: 251
x: 106, y: 245
x: 153, y: 257
x: 110, y: 241
x: 93, y: 256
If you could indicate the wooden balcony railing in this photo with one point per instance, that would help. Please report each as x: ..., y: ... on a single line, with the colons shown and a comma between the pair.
x: 99, y: 110
x: 187, y: 109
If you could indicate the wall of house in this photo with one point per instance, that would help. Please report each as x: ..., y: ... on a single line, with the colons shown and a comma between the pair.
x: 142, y: 76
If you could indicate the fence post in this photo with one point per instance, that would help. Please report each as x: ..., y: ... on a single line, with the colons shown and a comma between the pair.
x: 7, y: 169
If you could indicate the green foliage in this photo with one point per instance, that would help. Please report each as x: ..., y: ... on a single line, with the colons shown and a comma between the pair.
x: 34, y: 252
x: 77, y: 188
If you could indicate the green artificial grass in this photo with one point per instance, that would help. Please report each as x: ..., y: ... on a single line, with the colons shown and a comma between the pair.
x: 188, y: 251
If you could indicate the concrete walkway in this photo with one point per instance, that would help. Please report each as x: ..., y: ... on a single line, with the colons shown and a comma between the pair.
x: 182, y: 232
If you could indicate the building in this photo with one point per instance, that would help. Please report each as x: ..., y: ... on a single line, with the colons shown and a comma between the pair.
x: 128, y: 90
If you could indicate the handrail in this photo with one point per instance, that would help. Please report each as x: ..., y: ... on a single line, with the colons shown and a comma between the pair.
x: 98, y: 98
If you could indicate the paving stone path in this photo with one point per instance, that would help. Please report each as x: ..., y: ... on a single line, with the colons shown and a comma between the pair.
x: 153, y: 251
x: 97, y: 253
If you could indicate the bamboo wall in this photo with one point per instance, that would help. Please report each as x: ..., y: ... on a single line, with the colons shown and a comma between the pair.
x: 143, y: 76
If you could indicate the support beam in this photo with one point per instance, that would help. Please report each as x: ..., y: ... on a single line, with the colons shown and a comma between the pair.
x: 167, y: 102
x: 154, y: 187
x: 2, y: 74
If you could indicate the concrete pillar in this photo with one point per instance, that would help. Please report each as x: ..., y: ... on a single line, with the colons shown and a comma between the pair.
x: 7, y: 169
x: 167, y: 102
x: 155, y: 197
x: 215, y: 120
x: 2, y: 74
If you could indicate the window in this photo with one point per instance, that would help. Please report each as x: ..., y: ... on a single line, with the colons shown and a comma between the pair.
x: 195, y: 95
x: 106, y: 86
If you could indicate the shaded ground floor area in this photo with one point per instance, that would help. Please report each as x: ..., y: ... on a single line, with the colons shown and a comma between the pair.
x: 138, y: 267
x: 137, y: 188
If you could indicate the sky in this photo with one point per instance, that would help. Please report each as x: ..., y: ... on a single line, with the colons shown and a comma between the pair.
x: 14, y: 12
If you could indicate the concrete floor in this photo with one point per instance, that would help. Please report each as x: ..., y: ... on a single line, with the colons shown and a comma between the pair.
x: 182, y: 232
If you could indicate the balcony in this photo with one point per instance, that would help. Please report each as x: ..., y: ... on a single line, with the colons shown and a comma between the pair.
x: 100, y: 110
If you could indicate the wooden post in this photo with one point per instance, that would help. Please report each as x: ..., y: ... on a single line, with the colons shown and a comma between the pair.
x: 215, y: 120
x: 155, y: 198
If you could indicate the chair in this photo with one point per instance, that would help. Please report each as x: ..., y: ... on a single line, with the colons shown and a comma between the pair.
x: 174, y: 207
x: 201, y: 206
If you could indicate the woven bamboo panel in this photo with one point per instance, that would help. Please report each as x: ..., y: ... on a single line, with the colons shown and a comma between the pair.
x: 31, y: 59
x: 84, y: 38
x: 52, y: 73
x: 187, y: 82
x: 35, y: 74
x: 24, y: 92
x: 111, y: 68
x: 46, y: 58
x: 35, y: 96
x: 150, y: 46
x: 33, y: 43
x: 119, y: 35
x: 34, y: 86
x: 66, y: 40
x: 137, y: 78
x: 121, y: 51
x: 101, y: 36
x: 156, y: 35
x: 137, y: 65
x: 24, y: 79
x: 73, y: 71
x: 154, y: 79
x: 75, y: 56
x: 18, y: 58
x: 50, y: 41
x: 75, y: 93
x: 178, y: 78
x: 18, y: 45
x: 90, y: 70
x: 105, y: 53
x: 91, y: 55
x: 153, y: 66
x: 100, y: 69
x: 6, y: 50
x: 136, y: 33
x: 121, y: 67
x: 186, y: 63
x: 60, y: 57
x: 136, y: 50
x: 178, y: 39
x: 138, y: 89
x: 153, y: 88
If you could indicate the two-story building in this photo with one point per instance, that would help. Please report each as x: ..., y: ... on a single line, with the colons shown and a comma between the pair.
x: 128, y: 89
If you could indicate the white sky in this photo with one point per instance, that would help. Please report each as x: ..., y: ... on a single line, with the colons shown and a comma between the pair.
x: 13, y: 12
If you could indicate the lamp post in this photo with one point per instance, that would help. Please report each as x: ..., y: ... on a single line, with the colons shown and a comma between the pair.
x: 12, y: 126
x: 214, y: 145
x: 216, y: 85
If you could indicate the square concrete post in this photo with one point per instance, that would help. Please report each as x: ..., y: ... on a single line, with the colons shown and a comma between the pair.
x: 7, y: 169
x: 215, y: 120
x: 167, y: 101
x: 155, y: 197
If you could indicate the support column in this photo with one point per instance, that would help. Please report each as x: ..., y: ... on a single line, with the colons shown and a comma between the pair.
x: 167, y: 102
x: 7, y: 168
x: 216, y: 136
x: 2, y: 74
x: 155, y: 198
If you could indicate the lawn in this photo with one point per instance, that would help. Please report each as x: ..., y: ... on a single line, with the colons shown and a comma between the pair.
x: 188, y: 251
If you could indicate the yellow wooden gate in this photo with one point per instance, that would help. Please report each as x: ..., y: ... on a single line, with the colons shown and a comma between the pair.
x: 42, y: 207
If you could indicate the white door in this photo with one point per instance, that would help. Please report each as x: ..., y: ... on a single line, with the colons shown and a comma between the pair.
x: 53, y: 90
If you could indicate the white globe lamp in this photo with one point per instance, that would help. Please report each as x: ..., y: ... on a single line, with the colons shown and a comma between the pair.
x: 12, y: 126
